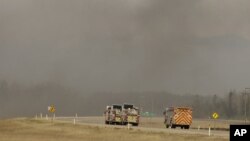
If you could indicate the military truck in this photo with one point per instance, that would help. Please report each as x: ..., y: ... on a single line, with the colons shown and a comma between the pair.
x: 113, y: 114
x: 131, y: 114
x: 178, y: 117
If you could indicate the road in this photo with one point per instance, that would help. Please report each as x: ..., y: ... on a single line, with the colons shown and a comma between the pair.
x: 147, y: 124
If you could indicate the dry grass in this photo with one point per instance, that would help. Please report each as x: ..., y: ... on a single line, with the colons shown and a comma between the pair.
x: 157, y: 122
x: 39, y: 130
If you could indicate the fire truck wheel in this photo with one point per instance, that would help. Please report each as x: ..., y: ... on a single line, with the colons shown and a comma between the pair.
x: 172, y: 126
x: 135, y: 124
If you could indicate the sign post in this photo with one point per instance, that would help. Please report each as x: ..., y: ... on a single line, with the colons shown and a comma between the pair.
x: 52, y: 110
x: 209, y: 129
x: 215, y: 116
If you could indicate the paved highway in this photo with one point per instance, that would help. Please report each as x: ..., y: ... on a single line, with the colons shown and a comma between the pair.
x: 150, y: 125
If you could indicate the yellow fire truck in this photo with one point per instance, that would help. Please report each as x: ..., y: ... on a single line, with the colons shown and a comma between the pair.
x: 131, y: 114
x: 113, y: 114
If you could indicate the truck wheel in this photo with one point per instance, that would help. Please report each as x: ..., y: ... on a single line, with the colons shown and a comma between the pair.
x: 167, y: 126
x: 186, y: 127
x: 135, y: 124
x: 173, y: 126
x: 106, y: 122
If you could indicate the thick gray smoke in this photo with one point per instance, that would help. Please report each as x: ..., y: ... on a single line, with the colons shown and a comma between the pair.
x: 179, y: 46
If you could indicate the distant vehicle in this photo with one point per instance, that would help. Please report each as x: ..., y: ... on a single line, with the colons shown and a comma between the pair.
x: 122, y: 114
x: 178, y: 117
x: 131, y: 114
x: 113, y: 114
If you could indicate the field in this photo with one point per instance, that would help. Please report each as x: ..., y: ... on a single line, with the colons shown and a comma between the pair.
x: 41, y: 130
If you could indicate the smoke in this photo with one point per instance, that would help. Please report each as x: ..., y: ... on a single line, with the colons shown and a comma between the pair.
x: 179, y: 46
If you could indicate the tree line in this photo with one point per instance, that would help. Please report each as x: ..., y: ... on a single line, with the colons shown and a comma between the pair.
x: 27, y: 101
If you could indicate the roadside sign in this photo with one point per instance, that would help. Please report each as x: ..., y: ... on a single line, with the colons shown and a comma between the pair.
x: 51, y: 108
x: 215, y: 115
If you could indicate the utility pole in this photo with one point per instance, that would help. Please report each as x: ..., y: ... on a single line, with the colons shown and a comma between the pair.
x: 152, y: 109
x: 152, y: 105
x: 141, y: 102
x: 246, y: 100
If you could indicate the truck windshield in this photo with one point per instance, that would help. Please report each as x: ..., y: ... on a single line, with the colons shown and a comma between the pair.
x: 169, y: 113
x: 119, y: 107
x: 127, y: 106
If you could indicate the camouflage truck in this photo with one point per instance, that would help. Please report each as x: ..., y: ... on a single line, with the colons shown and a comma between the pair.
x: 113, y: 114
x: 131, y: 114
x: 178, y: 117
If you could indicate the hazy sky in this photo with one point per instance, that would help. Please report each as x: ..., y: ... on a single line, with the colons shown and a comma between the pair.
x: 179, y: 46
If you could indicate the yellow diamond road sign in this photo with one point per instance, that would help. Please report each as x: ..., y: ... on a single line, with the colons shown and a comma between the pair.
x: 215, y: 115
x: 51, y: 109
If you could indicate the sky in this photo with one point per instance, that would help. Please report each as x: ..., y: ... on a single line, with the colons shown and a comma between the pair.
x: 178, y: 46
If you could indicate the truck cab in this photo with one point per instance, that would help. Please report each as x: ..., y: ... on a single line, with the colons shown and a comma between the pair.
x: 178, y: 117
x: 131, y: 114
x: 113, y: 114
